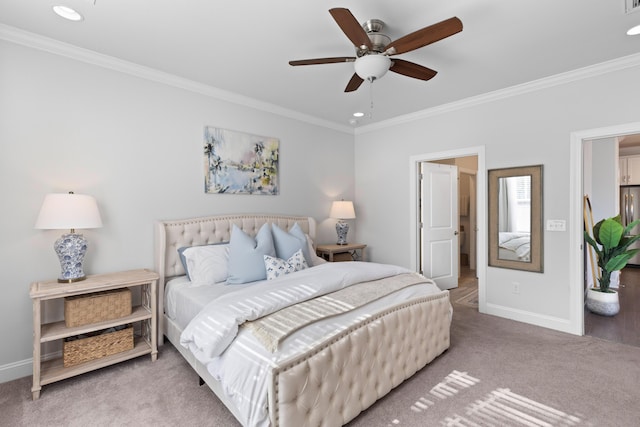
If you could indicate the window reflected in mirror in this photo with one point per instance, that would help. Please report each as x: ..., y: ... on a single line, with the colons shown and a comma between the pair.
x: 515, y: 218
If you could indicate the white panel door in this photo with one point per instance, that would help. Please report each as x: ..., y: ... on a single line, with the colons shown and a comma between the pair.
x: 439, y: 231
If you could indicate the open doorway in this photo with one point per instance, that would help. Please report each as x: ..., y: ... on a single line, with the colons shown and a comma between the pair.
x: 470, y: 198
x: 581, y: 184
x: 612, y: 183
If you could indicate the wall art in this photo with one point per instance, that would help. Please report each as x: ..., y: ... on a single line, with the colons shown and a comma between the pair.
x: 240, y: 163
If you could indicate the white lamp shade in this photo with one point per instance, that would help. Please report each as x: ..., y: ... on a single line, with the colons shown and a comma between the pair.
x: 68, y: 211
x: 342, y: 209
x: 372, y: 67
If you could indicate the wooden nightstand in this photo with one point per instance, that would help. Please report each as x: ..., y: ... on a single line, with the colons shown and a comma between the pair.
x: 46, y: 372
x: 348, y: 252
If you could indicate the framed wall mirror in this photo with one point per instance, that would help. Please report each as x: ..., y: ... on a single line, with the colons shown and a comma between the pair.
x: 515, y: 218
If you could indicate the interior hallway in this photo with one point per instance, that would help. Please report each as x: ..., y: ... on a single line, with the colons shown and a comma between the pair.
x: 625, y: 326
x: 467, y: 291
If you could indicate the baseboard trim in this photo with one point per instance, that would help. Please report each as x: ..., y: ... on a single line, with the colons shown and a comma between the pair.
x: 550, y: 322
x: 15, y: 370
x: 22, y: 368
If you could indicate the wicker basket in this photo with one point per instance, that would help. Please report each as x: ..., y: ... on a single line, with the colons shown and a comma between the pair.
x: 97, y: 307
x: 102, y: 344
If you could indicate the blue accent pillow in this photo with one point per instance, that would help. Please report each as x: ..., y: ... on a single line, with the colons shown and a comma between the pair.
x: 286, y: 244
x: 246, y: 255
x: 183, y: 260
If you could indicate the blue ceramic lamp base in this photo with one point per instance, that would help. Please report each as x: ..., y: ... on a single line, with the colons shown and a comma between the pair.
x: 342, y: 228
x: 71, y: 249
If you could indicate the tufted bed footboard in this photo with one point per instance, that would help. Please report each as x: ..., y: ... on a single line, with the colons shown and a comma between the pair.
x: 331, y: 384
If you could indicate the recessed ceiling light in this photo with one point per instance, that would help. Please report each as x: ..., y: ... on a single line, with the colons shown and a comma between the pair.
x: 67, y: 13
x: 358, y: 114
x: 634, y: 31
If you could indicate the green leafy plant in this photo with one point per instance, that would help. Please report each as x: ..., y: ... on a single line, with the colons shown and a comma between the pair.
x: 612, y: 241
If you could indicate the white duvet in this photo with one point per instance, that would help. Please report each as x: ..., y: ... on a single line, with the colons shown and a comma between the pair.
x: 520, y: 243
x: 241, y: 363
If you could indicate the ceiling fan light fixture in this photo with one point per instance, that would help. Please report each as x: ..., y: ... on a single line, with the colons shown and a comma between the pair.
x: 372, y: 67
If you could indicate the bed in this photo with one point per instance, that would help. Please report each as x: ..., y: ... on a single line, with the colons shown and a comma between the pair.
x: 324, y: 372
x: 514, y: 246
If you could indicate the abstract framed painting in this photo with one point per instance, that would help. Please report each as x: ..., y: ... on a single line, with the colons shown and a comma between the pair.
x: 240, y: 163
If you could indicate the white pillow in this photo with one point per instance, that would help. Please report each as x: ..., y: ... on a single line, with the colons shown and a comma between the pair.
x: 277, y: 267
x: 207, y: 265
x: 315, y: 259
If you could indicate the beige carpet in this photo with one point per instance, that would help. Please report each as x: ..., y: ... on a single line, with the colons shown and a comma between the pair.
x: 496, y: 373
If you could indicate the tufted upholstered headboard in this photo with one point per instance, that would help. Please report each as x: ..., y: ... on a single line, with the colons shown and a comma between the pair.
x: 174, y: 234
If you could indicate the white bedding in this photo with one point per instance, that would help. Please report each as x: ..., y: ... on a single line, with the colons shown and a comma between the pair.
x: 516, y: 246
x: 241, y: 367
x: 183, y: 300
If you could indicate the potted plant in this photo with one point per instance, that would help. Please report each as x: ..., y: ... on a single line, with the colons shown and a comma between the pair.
x: 612, y: 241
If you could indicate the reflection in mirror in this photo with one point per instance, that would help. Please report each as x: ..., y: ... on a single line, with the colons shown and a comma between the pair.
x: 515, y: 218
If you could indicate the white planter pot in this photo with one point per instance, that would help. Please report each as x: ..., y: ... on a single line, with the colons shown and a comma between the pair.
x: 603, y: 303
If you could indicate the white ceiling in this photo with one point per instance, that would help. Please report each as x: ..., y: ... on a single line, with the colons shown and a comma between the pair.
x: 244, y: 46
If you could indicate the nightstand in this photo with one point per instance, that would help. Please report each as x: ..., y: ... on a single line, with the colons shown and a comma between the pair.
x: 348, y: 252
x: 46, y: 372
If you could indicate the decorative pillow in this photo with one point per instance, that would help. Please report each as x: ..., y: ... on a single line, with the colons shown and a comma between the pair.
x: 246, y: 255
x: 206, y: 265
x: 277, y: 267
x: 287, y: 244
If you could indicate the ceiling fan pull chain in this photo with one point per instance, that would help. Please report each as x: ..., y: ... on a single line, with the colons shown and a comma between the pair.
x: 370, y: 99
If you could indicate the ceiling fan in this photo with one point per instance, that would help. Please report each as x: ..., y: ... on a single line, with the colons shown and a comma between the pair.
x: 374, y: 49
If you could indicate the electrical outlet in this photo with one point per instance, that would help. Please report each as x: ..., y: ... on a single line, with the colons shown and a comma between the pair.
x: 515, y: 288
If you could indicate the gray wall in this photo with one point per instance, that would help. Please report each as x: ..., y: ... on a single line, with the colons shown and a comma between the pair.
x: 605, y: 193
x: 137, y: 146
x: 528, y: 128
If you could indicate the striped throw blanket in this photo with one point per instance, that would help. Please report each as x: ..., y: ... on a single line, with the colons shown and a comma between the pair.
x: 270, y: 330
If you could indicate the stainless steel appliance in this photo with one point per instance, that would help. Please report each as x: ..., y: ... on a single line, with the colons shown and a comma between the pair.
x: 630, y: 211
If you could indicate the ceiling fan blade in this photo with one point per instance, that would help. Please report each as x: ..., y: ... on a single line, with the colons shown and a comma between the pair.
x: 354, y: 83
x: 323, y: 60
x: 350, y: 26
x: 425, y: 36
x: 411, y: 69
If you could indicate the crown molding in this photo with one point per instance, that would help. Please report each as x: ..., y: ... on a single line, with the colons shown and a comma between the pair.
x: 56, y: 47
x: 36, y: 41
x: 621, y: 63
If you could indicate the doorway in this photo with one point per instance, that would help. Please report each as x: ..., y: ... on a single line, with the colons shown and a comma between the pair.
x: 606, y: 181
x: 581, y: 173
x: 475, y: 234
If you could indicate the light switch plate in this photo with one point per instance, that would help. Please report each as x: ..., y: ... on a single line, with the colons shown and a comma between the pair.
x: 556, y: 225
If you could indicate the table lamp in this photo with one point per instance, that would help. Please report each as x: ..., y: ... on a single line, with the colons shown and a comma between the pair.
x: 342, y: 210
x: 69, y: 211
